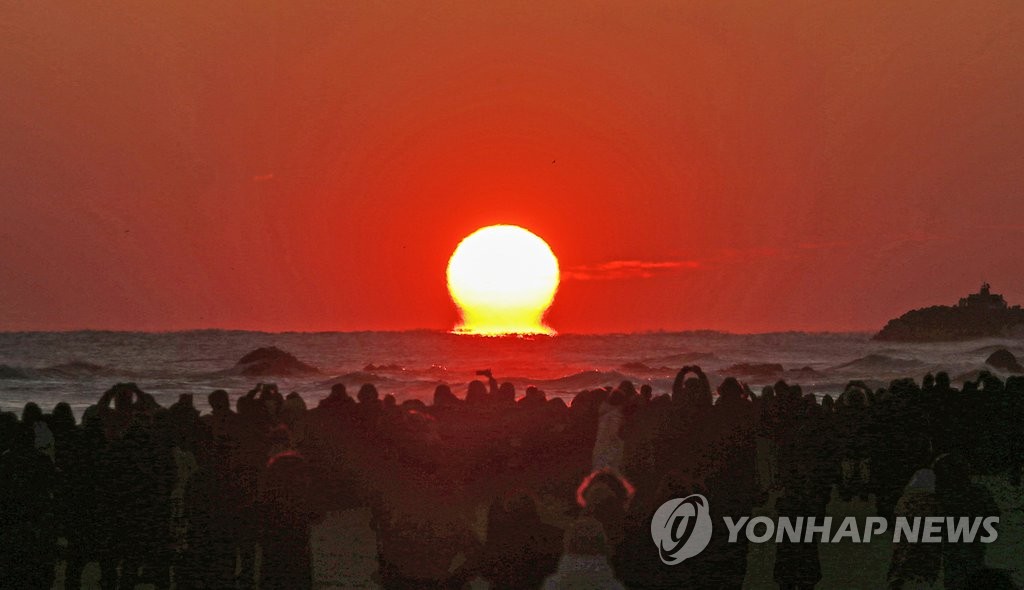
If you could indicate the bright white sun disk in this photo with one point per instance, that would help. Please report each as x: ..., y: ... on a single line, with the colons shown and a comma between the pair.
x: 503, y: 278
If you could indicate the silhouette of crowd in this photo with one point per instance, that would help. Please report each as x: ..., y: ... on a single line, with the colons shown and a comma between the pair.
x: 227, y: 498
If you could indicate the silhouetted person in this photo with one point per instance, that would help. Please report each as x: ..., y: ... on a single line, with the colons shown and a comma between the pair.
x: 693, y: 391
x: 728, y: 472
x: 285, y: 518
x: 221, y: 420
x: 421, y: 539
x: 136, y: 479
x: 80, y: 498
x: 27, y: 536
x: 584, y: 562
x: 608, y: 447
x: 636, y: 561
x: 219, y: 522
x: 646, y: 392
x: 271, y: 399
x: 917, y: 565
x: 116, y: 417
x: 293, y: 415
x: 368, y: 395
x: 521, y: 550
x: 338, y: 397
x: 642, y: 432
x: 797, y: 564
x: 852, y: 427
x: 476, y: 392
x: 506, y: 395
x: 959, y: 497
x: 32, y: 417
x: 605, y: 496
x: 444, y: 399
x: 533, y: 398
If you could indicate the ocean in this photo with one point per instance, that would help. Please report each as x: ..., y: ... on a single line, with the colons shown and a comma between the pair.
x: 77, y: 367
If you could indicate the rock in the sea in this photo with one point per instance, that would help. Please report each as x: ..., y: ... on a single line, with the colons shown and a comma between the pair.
x: 1004, y: 359
x: 272, y: 361
x: 9, y: 372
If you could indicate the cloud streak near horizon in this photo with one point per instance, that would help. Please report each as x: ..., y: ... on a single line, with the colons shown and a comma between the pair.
x: 626, y: 269
x: 645, y: 269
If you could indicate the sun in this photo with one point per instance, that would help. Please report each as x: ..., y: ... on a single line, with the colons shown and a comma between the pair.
x: 503, y: 279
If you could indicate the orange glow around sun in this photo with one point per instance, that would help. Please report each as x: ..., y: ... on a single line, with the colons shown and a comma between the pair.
x: 503, y: 278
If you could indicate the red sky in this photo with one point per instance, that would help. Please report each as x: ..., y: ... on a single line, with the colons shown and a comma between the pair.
x: 747, y: 166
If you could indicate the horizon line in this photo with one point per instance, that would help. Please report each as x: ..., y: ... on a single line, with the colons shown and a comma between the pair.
x: 437, y: 331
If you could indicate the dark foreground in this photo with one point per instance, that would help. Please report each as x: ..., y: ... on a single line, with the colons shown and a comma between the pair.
x: 514, y: 493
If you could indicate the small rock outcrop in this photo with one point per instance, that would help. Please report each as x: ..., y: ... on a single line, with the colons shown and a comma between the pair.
x: 1003, y: 359
x: 9, y: 372
x: 272, y: 361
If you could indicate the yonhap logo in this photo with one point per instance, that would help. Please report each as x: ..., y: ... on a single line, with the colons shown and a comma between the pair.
x: 681, y: 528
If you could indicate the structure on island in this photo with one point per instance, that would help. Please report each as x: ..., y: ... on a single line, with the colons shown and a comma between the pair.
x: 979, y: 315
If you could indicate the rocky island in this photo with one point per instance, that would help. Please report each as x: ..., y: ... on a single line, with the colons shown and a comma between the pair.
x: 979, y: 315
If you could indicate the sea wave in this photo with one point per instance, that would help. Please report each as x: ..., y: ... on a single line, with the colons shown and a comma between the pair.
x: 70, y: 370
x: 879, y: 363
